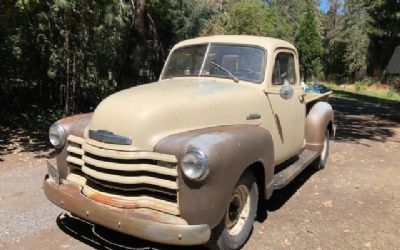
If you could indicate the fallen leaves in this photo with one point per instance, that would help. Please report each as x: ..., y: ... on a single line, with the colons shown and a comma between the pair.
x: 328, y: 203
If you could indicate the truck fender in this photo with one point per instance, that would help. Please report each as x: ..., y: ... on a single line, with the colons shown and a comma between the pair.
x: 73, y: 125
x: 318, y: 120
x: 230, y: 151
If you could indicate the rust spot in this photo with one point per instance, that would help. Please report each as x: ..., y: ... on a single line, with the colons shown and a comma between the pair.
x: 69, y: 188
x: 74, y: 118
x: 131, y: 206
x: 107, y: 200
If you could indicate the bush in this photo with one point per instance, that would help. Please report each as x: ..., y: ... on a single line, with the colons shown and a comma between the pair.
x: 360, y: 86
x: 367, y: 81
x: 390, y: 94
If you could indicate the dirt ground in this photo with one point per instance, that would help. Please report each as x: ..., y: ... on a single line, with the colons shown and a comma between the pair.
x: 352, y: 204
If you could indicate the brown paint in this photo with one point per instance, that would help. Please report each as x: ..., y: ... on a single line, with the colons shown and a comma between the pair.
x: 230, y: 151
x: 317, y: 121
x: 73, y: 125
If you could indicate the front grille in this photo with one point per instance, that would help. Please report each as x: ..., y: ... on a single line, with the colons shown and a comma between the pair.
x: 128, y: 179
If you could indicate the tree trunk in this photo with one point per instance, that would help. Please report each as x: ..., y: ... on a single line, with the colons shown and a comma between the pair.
x: 137, y: 46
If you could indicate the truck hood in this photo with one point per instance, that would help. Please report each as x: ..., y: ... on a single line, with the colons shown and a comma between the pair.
x: 151, y: 112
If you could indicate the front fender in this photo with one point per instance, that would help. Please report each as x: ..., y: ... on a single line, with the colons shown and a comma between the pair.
x: 317, y: 122
x: 230, y: 150
x: 73, y: 125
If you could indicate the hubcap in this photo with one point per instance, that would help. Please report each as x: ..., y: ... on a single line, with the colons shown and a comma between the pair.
x: 238, y: 210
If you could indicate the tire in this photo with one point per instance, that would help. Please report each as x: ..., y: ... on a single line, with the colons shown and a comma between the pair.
x: 320, y: 162
x: 237, y: 224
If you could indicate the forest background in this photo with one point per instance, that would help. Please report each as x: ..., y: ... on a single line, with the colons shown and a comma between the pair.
x: 61, y: 57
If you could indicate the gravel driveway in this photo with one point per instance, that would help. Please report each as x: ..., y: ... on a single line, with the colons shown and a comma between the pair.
x: 352, y: 204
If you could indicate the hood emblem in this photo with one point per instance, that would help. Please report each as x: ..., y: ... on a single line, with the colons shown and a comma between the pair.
x: 253, y: 116
x: 109, y: 137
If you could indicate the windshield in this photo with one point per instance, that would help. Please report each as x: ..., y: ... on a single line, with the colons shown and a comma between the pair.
x: 243, y: 62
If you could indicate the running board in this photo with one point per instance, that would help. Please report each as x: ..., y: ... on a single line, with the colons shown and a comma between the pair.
x: 284, y: 177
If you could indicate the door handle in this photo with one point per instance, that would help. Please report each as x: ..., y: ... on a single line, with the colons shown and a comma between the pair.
x: 301, y: 97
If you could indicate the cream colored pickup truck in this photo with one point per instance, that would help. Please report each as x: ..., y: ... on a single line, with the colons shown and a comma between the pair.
x: 185, y: 160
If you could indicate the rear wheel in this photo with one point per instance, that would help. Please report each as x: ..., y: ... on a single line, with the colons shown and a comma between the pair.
x: 235, y: 228
x: 323, y: 158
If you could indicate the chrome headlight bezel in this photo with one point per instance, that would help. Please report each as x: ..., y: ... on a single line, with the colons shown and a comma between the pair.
x: 57, y: 135
x: 194, y: 164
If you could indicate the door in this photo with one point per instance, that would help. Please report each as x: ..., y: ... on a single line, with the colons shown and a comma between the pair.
x: 289, y: 115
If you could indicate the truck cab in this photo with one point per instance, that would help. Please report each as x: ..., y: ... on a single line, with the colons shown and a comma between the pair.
x: 186, y: 159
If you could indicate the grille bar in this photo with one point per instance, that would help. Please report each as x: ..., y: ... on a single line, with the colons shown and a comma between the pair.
x: 75, y: 160
x: 124, y: 189
x: 129, y: 167
x: 128, y: 155
x: 124, y: 178
x: 76, y: 139
x: 75, y: 150
x: 130, y: 180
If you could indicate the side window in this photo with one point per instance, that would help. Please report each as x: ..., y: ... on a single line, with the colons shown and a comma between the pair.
x: 284, y: 69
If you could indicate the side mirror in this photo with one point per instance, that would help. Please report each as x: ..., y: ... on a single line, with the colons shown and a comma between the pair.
x: 286, y: 92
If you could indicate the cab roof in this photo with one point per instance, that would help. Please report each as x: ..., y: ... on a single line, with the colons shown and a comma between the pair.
x: 269, y: 43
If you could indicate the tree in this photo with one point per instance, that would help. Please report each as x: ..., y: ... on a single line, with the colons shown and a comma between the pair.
x: 288, y: 13
x: 176, y: 20
x: 355, y: 37
x: 288, y: 16
x: 309, y: 45
x: 73, y: 53
x: 384, y: 31
x: 334, y: 47
x: 249, y: 18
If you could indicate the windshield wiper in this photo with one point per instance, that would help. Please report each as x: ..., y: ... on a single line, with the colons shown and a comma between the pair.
x: 227, y: 72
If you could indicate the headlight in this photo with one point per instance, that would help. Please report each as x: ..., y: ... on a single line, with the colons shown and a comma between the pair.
x: 57, y: 135
x: 194, y: 164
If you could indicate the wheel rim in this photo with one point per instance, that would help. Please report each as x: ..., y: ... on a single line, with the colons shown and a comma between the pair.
x: 238, y: 210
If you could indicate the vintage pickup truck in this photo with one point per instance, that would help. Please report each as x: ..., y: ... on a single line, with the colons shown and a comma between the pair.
x: 185, y: 160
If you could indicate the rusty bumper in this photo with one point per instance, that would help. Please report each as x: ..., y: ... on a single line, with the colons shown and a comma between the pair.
x: 142, y: 225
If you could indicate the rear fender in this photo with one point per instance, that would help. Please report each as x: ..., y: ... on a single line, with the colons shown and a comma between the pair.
x: 319, y: 119
x: 230, y: 151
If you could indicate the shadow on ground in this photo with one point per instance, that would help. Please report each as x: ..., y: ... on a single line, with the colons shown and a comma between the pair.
x: 99, y: 237
x: 281, y: 196
x: 26, y: 131
x: 362, y: 117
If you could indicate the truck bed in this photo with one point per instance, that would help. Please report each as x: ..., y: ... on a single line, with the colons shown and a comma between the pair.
x: 313, y: 97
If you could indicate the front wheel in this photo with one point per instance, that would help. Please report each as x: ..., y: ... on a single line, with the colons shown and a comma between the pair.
x: 235, y: 228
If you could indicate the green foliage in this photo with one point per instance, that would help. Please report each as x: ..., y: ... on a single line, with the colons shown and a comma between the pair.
x: 249, y: 18
x: 355, y: 37
x: 390, y: 94
x: 178, y: 20
x: 367, y: 81
x: 288, y: 15
x: 360, y: 86
x: 309, y: 45
x: 333, y: 57
x: 69, y: 54
x: 73, y: 53
x: 384, y: 31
